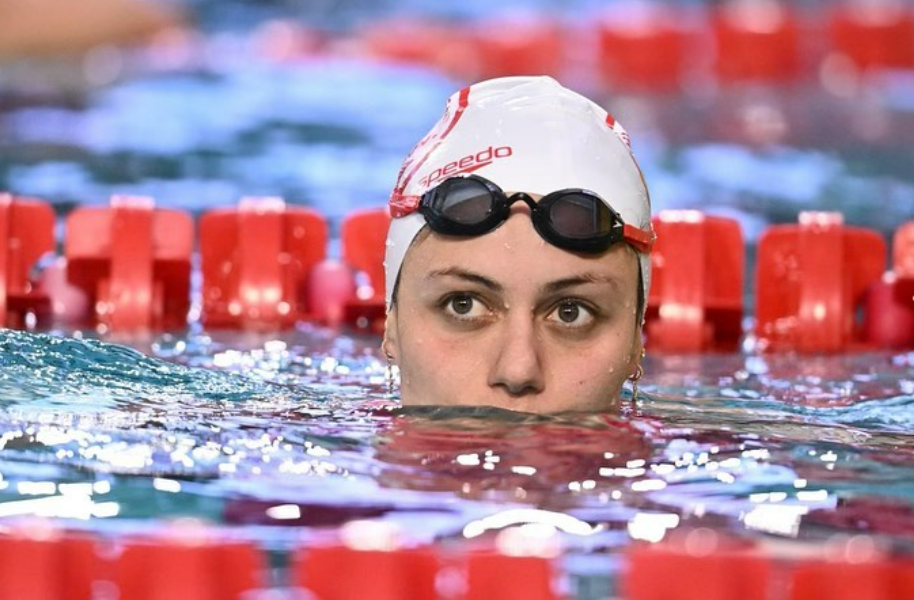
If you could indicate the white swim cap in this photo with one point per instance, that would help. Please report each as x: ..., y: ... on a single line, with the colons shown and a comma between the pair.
x: 525, y: 134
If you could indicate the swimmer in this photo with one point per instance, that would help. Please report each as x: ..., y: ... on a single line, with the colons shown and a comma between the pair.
x: 517, y: 261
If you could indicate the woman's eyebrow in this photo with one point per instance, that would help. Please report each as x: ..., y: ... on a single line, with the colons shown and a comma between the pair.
x: 561, y: 284
x: 466, y: 276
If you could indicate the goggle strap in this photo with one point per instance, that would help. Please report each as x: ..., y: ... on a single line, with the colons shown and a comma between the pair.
x: 642, y: 240
x: 402, y: 205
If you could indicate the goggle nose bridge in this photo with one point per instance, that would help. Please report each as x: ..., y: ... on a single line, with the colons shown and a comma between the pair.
x: 522, y: 197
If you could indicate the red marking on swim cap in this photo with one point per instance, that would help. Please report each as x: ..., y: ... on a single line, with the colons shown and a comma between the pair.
x: 401, y: 205
x: 617, y: 128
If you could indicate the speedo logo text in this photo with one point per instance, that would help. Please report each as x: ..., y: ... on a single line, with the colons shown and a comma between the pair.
x: 466, y: 164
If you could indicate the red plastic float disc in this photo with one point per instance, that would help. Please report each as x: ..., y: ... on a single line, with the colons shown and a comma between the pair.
x: 26, y: 234
x: 702, y: 567
x: 874, y: 34
x: 903, y: 251
x: 756, y: 41
x: 811, y: 278
x: 255, y: 262
x: 844, y: 580
x: 49, y: 565
x: 642, y: 48
x: 133, y: 261
x: 342, y: 573
x: 163, y: 569
x: 889, y: 315
x: 493, y: 575
x: 27, y: 568
x: 428, y: 43
x: 696, y: 300
x: 903, y: 578
x: 364, y: 240
x: 520, y: 46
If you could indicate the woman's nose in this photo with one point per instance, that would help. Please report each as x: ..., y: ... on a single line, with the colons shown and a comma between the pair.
x: 518, y: 368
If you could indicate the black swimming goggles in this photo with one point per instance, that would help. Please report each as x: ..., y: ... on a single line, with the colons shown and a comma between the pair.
x: 572, y: 219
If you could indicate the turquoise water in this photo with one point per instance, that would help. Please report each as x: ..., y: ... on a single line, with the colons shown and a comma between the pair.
x: 278, y: 438
x: 745, y: 444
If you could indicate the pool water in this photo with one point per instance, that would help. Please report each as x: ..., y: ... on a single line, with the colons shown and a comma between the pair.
x: 280, y: 438
x: 276, y: 438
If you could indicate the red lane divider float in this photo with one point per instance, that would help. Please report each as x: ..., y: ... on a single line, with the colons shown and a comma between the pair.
x: 506, y: 577
x: 370, y: 562
x: 810, y: 281
x: 655, y: 48
x: 703, y: 565
x: 523, y: 45
x: 264, y: 266
x: 132, y: 261
x: 699, y: 565
x: 875, y: 34
x: 255, y: 261
x: 696, y: 299
x: 756, y: 41
x: 41, y: 563
x: 903, y: 252
x: 436, y: 44
x: 819, y: 580
x: 889, y: 314
x: 26, y: 567
x: 640, y: 46
x: 855, y: 570
x: 344, y: 573
x: 26, y: 234
x: 162, y: 569
x: 364, y: 239
x: 643, y: 48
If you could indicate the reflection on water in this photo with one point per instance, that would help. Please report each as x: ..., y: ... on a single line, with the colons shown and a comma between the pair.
x: 296, y: 432
x: 280, y: 437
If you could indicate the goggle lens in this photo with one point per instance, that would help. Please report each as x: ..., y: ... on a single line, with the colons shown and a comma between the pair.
x: 464, y: 201
x: 577, y: 216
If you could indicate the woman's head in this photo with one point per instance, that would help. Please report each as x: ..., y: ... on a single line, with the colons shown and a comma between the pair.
x: 511, y: 280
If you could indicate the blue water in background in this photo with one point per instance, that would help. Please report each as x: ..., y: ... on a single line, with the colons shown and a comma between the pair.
x: 331, y: 132
x: 309, y: 134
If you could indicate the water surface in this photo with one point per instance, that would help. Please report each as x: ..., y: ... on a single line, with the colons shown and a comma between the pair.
x: 279, y: 438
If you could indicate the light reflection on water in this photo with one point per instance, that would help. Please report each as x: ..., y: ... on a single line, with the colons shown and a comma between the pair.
x: 279, y: 437
x: 276, y: 433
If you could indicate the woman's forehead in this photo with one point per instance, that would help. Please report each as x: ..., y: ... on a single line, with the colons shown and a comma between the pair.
x: 514, y: 255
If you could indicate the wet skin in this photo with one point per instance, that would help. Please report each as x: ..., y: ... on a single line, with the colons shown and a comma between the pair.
x: 508, y: 320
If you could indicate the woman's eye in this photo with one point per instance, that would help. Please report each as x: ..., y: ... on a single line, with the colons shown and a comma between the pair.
x: 571, y: 313
x: 465, y: 307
